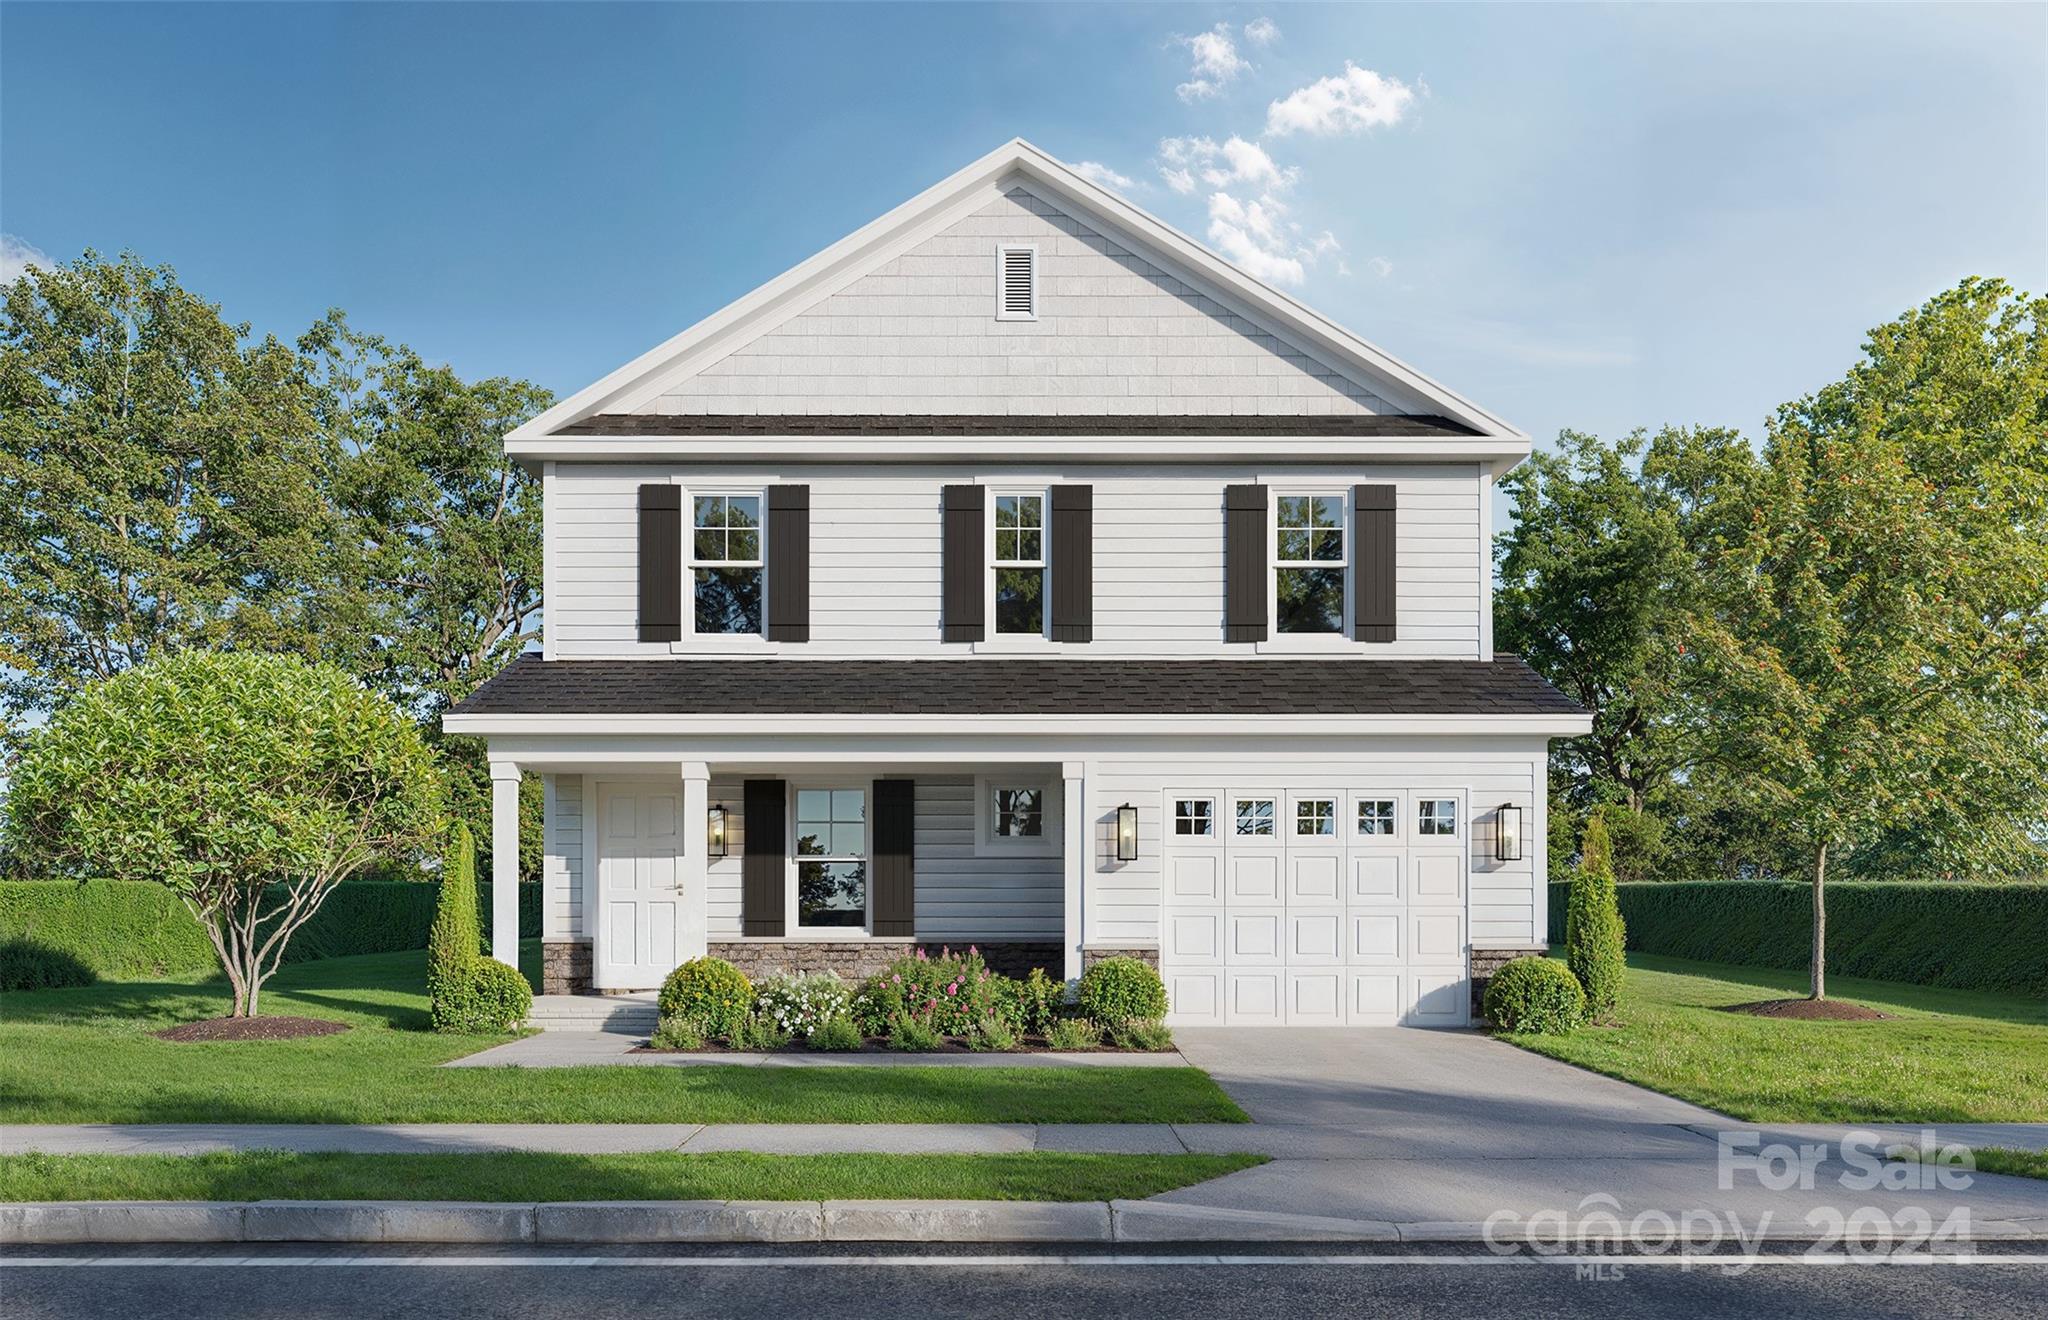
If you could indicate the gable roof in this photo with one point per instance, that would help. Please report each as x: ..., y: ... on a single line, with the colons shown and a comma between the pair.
x: 1016, y: 163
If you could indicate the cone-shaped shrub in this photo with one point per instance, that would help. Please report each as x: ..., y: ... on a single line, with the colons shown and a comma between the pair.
x: 1593, y: 931
x: 455, y: 940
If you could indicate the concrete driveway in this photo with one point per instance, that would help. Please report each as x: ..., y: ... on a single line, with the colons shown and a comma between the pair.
x: 1411, y: 1125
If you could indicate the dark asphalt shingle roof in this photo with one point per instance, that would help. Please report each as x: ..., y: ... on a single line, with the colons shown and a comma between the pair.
x: 1503, y: 686
x: 1409, y: 424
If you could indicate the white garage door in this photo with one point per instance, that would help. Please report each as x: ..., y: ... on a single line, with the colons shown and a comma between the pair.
x: 1316, y: 908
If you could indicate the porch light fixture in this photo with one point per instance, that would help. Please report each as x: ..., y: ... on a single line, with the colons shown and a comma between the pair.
x: 714, y: 831
x: 1127, y: 833
x: 1507, y: 833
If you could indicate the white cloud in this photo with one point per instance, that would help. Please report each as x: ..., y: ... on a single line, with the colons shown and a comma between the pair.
x: 1103, y: 176
x: 1215, y: 63
x: 1258, y: 237
x: 1180, y: 181
x: 1380, y: 267
x: 1233, y: 161
x: 17, y: 255
x: 1350, y: 102
x: 1262, y: 32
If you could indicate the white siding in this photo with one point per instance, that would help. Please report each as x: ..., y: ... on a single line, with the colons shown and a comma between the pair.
x: 875, y: 558
x: 561, y: 874
x: 1114, y: 334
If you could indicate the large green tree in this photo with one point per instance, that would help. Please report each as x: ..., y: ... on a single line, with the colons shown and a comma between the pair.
x: 1876, y: 661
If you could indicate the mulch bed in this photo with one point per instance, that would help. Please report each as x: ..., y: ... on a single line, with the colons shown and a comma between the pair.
x: 1812, y: 1010
x: 252, y: 1028
x: 1029, y: 1045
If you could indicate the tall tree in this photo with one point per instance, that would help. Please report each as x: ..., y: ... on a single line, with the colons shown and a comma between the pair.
x: 161, y: 483
x: 1877, y: 659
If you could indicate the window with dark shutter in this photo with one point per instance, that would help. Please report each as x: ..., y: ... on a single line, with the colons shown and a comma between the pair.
x: 1073, y: 563
x: 764, y: 865
x: 1244, y: 563
x: 961, y: 575
x: 893, y: 892
x: 661, y: 563
x: 789, y: 563
x: 1372, y: 569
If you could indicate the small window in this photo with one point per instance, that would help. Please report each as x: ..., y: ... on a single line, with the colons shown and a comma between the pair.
x: 1437, y: 816
x: 1315, y: 818
x: 831, y: 858
x: 1255, y: 816
x: 1376, y: 816
x: 1018, y: 813
x: 725, y: 559
x: 1017, y: 283
x: 1194, y: 816
x: 1308, y: 564
x: 1020, y: 564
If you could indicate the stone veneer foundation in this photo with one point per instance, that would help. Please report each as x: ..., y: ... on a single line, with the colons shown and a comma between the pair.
x: 1485, y: 962
x: 1092, y: 955
x: 565, y: 967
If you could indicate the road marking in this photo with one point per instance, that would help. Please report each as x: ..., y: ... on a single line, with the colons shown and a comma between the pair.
x: 242, y: 1260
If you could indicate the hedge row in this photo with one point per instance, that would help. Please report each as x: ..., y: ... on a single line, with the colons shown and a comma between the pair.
x: 137, y: 930
x: 1964, y: 937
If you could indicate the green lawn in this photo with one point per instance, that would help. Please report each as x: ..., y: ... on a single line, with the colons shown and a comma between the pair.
x: 86, y: 1056
x: 1948, y: 1056
x: 724, y: 1176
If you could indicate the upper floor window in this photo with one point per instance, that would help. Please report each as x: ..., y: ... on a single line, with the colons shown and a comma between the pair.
x: 1308, y: 563
x: 1019, y: 564
x: 726, y: 564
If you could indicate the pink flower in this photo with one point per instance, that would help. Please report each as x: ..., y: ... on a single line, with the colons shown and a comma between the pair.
x: 953, y: 988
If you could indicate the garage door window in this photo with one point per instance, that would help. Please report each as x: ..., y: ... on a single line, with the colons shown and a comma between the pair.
x: 1255, y: 817
x: 1194, y: 816
x: 1376, y: 816
x: 1315, y: 818
x: 1437, y: 816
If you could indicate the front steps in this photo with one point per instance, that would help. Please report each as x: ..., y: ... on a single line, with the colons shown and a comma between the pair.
x: 633, y: 1014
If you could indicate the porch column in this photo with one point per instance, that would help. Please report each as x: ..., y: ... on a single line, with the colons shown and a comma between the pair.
x: 1075, y: 855
x: 693, y: 868
x: 505, y: 862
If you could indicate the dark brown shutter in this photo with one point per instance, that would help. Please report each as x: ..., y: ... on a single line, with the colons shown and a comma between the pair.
x: 964, y: 575
x: 789, y: 563
x: 661, y: 563
x: 764, y: 864
x: 1245, y: 570
x: 1073, y: 563
x: 893, y: 887
x: 1372, y: 563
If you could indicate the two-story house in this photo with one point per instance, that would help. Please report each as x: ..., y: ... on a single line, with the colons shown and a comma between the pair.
x: 1018, y: 573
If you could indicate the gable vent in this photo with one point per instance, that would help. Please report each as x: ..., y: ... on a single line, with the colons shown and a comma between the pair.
x: 1016, y: 284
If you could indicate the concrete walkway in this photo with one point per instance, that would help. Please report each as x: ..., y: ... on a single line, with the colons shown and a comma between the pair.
x: 577, y: 1049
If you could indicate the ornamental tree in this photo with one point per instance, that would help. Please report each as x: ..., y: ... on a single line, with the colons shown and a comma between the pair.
x: 250, y: 785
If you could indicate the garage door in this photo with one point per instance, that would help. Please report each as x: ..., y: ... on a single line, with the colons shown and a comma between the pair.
x: 1316, y: 908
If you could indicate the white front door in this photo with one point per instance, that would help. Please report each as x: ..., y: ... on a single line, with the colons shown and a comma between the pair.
x: 640, y: 926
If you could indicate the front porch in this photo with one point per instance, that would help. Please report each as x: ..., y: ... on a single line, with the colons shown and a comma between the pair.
x: 797, y: 866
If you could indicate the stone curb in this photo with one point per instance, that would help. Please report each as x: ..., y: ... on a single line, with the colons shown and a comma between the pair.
x: 61, y: 1223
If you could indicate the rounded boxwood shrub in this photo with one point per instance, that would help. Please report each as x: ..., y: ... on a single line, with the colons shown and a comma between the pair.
x: 30, y: 964
x: 486, y: 997
x: 709, y: 994
x: 1119, y: 990
x: 1537, y: 995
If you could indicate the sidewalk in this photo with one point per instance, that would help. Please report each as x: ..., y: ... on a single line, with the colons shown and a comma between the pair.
x: 573, y: 1049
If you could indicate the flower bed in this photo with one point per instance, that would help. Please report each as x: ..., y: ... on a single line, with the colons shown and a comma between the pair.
x: 924, y: 1003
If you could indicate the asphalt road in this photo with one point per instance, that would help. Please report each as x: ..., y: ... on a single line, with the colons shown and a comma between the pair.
x: 305, y: 1283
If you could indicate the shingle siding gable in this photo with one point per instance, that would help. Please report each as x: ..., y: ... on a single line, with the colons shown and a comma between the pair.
x: 1114, y: 334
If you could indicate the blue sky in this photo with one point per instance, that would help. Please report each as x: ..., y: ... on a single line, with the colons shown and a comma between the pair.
x: 1597, y: 217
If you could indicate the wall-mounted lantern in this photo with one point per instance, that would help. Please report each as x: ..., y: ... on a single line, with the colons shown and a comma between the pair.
x: 1507, y: 833
x: 1127, y: 833
x: 714, y: 831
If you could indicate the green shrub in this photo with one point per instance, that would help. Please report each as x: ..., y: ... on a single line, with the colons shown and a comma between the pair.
x: 710, y: 994
x: 1536, y: 995
x: 759, y: 1033
x: 1593, y: 928
x: 836, y: 1034
x: 992, y: 1033
x: 907, y: 1032
x: 676, y: 1034
x: 1119, y: 990
x: 1959, y: 936
x: 1038, y: 1001
x: 488, y: 998
x: 30, y: 964
x: 874, y: 1006
x: 1072, y: 1034
x: 1147, y: 1036
x: 951, y: 991
x: 456, y: 940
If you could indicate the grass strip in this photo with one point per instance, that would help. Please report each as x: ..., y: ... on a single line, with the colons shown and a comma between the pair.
x: 542, y: 1176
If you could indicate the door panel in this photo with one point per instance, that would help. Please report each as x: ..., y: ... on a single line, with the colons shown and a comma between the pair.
x: 638, y: 872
